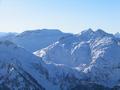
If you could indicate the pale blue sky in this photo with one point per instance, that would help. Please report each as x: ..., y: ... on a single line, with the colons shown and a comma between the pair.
x: 67, y: 15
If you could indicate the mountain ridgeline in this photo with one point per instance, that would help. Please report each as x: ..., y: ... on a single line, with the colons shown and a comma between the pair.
x: 36, y: 39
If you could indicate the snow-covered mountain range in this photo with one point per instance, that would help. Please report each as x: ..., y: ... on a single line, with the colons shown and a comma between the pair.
x: 89, y: 60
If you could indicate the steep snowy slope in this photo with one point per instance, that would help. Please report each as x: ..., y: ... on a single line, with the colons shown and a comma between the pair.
x: 36, y: 39
x: 20, y: 70
x: 95, y: 53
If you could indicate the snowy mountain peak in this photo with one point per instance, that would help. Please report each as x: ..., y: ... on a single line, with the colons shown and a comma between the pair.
x: 97, y: 32
x: 88, y: 31
x: 90, y: 34
x: 100, y: 32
